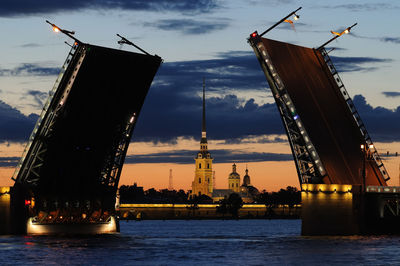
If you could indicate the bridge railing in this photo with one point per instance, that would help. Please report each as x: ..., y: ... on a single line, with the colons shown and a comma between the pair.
x: 354, y: 112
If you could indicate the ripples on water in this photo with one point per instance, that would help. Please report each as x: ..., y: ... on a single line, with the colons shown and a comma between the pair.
x: 205, y: 242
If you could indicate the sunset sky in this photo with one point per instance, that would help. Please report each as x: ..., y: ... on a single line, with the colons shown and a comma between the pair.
x: 196, y: 39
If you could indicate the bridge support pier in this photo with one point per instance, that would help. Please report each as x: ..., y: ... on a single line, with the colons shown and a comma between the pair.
x: 346, y: 210
x: 109, y: 227
x: 16, y: 219
x: 5, y: 211
x: 330, y: 209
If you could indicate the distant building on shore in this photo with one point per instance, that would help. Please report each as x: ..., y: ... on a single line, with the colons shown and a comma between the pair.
x: 246, y: 191
x: 203, y: 183
x: 203, y: 177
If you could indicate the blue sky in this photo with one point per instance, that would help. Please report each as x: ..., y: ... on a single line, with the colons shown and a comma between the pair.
x: 195, y: 39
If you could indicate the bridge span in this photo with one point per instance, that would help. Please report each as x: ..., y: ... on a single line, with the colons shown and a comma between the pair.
x: 67, y: 178
x: 342, y: 176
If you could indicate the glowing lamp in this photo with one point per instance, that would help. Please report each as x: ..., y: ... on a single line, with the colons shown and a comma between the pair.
x: 362, y: 146
x: 56, y: 29
x: 27, y: 202
x: 296, y: 17
x: 254, y: 34
x: 346, y: 31
x: 371, y: 146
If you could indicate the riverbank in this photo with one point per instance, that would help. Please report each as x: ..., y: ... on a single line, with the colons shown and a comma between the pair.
x: 204, y: 211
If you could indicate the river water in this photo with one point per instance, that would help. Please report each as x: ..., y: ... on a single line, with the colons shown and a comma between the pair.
x: 202, y: 242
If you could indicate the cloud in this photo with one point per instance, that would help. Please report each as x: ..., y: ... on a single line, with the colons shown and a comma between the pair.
x: 190, y: 26
x: 395, y: 40
x: 221, y: 156
x: 269, y: 2
x: 28, y: 69
x: 39, y: 97
x: 362, y: 7
x: 173, y: 106
x: 9, y: 161
x: 15, y: 126
x: 382, y: 124
x: 392, y: 94
x: 9, y: 8
x: 351, y: 64
x: 30, y: 45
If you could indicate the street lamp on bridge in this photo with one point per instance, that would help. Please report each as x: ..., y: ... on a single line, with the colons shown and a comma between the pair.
x: 338, y: 34
x: 366, y: 151
x: 57, y: 29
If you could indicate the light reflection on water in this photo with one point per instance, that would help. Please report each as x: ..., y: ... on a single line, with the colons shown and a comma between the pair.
x: 205, y: 242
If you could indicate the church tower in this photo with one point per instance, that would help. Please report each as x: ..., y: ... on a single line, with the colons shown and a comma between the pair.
x: 203, y: 179
x: 234, y: 180
x: 246, y: 179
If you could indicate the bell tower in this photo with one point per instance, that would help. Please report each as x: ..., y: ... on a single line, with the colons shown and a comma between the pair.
x: 203, y: 179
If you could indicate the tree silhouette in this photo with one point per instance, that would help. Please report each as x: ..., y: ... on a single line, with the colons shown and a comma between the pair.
x: 232, y: 204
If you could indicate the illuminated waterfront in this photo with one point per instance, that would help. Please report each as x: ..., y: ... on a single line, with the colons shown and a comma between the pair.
x: 201, y: 242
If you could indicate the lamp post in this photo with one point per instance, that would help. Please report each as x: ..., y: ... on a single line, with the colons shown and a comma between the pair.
x: 346, y: 31
x: 365, y: 151
x: 295, y: 17
x: 66, y: 32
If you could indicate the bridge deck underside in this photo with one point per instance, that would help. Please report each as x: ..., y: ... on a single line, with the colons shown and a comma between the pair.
x: 324, y: 113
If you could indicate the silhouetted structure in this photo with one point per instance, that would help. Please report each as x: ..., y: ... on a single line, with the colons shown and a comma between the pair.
x: 342, y: 177
x: 324, y: 129
x: 70, y: 169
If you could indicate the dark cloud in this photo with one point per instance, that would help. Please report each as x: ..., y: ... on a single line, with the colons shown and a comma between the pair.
x: 38, y: 96
x: 10, y: 8
x: 190, y: 26
x: 268, y: 3
x: 392, y: 94
x: 335, y: 48
x: 15, y: 126
x: 30, y: 45
x: 27, y: 69
x: 9, y: 161
x: 173, y: 105
x: 395, y: 40
x: 221, y: 156
x: 362, y: 7
x: 351, y: 64
x: 382, y: 124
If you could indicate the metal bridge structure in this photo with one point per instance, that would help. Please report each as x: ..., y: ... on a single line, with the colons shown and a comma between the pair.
x: 324, y: 129
x: 70, y: 169
x: 342, y: 177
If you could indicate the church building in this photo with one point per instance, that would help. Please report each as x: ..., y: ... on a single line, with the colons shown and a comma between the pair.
x: 203, y: 177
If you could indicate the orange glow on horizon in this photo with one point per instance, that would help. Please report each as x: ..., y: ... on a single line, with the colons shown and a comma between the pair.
x: 269, y: 175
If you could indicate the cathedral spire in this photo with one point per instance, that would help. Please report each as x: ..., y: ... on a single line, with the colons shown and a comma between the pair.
x: 203, y: 127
